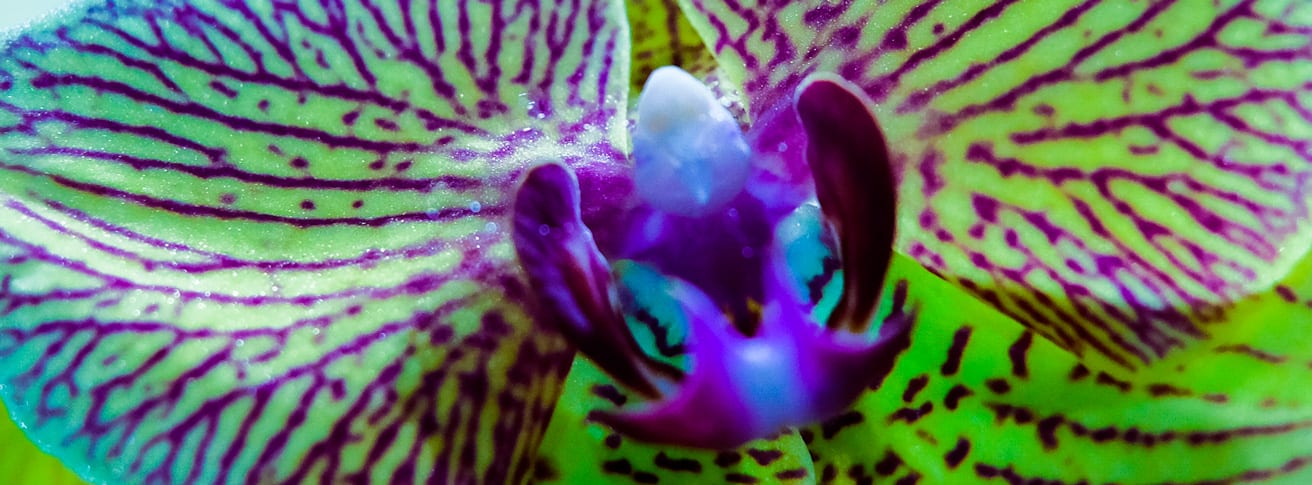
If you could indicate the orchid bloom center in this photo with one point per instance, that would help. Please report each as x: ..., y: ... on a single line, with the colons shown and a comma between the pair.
x: 689, y: 157
x: 708, y: 241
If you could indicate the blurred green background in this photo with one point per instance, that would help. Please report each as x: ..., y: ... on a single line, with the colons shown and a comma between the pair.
x: 21, y: 463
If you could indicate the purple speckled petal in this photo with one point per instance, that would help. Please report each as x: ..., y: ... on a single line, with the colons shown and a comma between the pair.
x: 252, y: 241
x: 1113, y: 174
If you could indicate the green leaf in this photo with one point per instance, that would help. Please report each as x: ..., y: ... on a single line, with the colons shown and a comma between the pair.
x: 259, y: 241
x: 1113, y: 174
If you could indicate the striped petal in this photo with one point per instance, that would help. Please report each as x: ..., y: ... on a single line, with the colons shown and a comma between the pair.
x: 662, y: 36
x: 1116, y: 175
x: 255, y: 241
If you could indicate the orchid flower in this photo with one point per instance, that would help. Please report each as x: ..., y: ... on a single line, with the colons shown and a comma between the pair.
x: 1090, y: 171
x: 942, y: 242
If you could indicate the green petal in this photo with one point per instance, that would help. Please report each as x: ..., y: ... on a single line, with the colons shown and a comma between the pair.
x: 257, y: 241
x: 1113, y: 174
x: 662, y: 36
x: 977, y: 398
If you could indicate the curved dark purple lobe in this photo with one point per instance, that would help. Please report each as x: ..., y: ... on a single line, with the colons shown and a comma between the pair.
x: 855, y: 184
x: 571, y: 278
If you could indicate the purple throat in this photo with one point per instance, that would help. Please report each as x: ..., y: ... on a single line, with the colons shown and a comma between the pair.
x: 711, y: 209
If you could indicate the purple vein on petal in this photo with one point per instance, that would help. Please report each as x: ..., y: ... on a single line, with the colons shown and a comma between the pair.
x: 211, y: 260
x: 235, y: 235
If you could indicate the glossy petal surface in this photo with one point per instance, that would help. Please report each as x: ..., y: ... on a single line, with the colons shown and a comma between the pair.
x: 1114, y: 174
x: 979, y: 399
x: 265, y: 241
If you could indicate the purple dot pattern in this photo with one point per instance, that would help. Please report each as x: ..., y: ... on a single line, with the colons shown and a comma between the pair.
x: 1113, y: 174
x: 258, y: 242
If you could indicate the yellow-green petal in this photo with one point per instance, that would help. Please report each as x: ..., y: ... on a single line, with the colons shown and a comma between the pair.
x: 662, y: 36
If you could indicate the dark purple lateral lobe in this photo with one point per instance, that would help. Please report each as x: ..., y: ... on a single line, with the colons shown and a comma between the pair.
x: 570, y: 277
x: 1113, y: 174
x: 252, y: 242
x: 849, y: 162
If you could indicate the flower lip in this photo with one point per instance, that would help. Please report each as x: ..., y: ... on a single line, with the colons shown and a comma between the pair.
x: 791, y: 370
x: 791, y: 373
